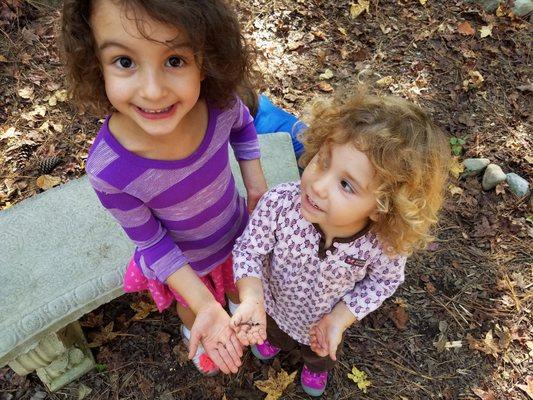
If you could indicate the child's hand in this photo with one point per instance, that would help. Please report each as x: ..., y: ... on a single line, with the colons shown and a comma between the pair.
x: 249, y: 322
x: 325, y: 336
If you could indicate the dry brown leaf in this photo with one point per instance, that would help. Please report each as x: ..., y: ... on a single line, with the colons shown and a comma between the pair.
x: 487, y: 345
x: 104, y: 336
x: 399, y: 317
x: 485, y: 31
x: 276, y: 383
x: 528, y: 387
x: 359, y: 8
x: 483, y: 395
x: 46, y: 182
x: 464, y: 28
x: 325, y: 87
x: 143, y: 309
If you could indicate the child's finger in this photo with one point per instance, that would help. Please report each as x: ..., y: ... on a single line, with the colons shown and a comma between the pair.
x: 193, y: 345
x: 243, y: 338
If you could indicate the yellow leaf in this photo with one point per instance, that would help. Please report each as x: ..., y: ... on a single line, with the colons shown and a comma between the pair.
x: 360, y: 379
x: 500, y: 11
x: 46, y: 182
x: 423, y: 2
x: 275, y: 384
x: 456, y: 167
x: 385, y: 81
x: 455, y: 190
x: 61, y: 95
x: 485, y: 31
x: 2, y: 58
x: 357, y: 9
x: 342, y: 30
x: 326, y: 75
x: 26, y: 92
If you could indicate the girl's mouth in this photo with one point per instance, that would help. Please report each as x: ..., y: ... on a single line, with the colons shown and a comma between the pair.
x: 156, y: 113
x: 313, y: 204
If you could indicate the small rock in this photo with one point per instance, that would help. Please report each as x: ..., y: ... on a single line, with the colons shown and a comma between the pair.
x: 492, y: 176
x: 517, y: 184
x: 475, y: 165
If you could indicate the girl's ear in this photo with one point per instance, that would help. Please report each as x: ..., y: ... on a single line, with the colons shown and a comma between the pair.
x: 374, y: 217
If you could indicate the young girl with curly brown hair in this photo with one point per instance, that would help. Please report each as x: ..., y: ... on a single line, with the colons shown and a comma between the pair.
x: 322, y: 253
x: 166, y: 72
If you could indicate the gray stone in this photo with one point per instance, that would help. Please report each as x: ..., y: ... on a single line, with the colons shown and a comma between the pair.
x: 492, y: 176
x: 517, y: 184
x: 63, y: 255
x: 474, y: 166
x: 520, y: 8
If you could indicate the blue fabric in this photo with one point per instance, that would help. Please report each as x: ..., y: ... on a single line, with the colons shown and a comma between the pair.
x: 270, y: 118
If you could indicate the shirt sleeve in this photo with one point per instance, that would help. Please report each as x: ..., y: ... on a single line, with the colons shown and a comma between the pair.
x: 383, y: 277
x: 252, y: 248
x: 243, y: 136
x: 159, y: 255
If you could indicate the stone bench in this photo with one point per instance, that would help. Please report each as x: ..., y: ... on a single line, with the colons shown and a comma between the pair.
x: 63, y: 256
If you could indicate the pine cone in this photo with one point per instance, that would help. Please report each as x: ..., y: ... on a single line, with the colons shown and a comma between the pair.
x: 22, y: 156
x: 48, y: 164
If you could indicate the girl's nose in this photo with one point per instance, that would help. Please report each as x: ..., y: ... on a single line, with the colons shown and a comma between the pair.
x: 152, y: 86
x: 321, y: 184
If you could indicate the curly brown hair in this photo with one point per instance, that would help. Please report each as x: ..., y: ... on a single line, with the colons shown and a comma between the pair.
x: 212, y: 28
x: 409, y: 153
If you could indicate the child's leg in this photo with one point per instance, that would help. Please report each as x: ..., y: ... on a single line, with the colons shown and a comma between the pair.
x: 315, y: 362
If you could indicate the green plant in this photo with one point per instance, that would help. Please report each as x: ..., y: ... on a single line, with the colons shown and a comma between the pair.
x: 457, y: 145
x: 100, y: 367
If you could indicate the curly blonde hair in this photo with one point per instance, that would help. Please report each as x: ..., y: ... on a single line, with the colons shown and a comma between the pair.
x: 409, y: 153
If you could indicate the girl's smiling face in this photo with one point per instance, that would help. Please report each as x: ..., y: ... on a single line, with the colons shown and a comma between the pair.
x: 154, y: 83
x: 337, y: 190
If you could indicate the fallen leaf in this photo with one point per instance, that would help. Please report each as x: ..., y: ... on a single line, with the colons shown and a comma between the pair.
x: 385, y: 81
x: 342, y: 30
x: 483, y: 395
x: 487, y: 345
x: 328, y: 74
x: 46, y: 182
x: 399, y: 317
x: 360, y: 378
x: 476, y: 78
x: 26, y: 92
x: 423, y: 2
x: 455, y: 190
x: 485, y: 31
x: 104, y: 336
x: 528, y: 387
x: 430, y: 288
x: 456, y: 167
x: 83, y: 391
x: 464, y: 28
x: 2, y: 58
x: 325, y: 87
x: 500, y: 11
x: 143, y: 309
x: 275, y: 384
x: 359, y: 8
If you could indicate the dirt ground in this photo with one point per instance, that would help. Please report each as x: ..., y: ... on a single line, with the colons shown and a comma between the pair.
x: 460, y: 326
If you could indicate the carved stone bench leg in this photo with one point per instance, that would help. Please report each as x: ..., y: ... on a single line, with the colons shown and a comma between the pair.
x: 58, y: 359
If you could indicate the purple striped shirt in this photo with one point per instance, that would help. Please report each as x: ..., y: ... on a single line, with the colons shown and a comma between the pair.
x: 177, y: 211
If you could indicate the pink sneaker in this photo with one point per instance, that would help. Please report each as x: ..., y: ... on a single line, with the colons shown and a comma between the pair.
x: 265, y: 351
x: 313, y: 383
x: 201, y: 360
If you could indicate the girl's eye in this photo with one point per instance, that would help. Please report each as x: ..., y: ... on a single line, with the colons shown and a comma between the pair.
x: 124, y: 62
x: 175, y: 62
x: 347, y: 187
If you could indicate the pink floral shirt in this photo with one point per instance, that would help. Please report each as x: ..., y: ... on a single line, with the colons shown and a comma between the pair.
x: 303, y: 281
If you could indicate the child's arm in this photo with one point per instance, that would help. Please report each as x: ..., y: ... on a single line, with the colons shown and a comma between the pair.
x: 243, y: 140
x: 249, y: 320
x: 250, y: 252
x: 327, y: 333
x: 383, y: 277
x: 162, y: 259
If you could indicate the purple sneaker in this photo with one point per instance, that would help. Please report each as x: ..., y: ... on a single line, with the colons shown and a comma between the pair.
x: 313, y: 383
x: 265, y: 351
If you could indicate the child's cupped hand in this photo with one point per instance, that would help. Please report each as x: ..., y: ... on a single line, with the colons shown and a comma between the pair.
x: 249, y: 322
x: 325, y: 337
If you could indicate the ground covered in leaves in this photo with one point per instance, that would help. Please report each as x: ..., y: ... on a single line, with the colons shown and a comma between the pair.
x: 460, y: 326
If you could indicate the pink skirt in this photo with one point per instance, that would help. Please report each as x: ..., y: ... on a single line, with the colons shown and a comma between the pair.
x: 218, y: 281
